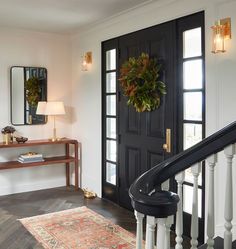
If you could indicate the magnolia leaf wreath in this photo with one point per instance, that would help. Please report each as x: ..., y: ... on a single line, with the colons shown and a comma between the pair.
x: 32, y: 87
x: 139, y: 79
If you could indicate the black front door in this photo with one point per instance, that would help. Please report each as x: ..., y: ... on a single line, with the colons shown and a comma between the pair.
x: 142, y: 135
x: 133, y: 142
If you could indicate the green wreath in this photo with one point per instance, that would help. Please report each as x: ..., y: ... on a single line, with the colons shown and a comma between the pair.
x: 139, y: 79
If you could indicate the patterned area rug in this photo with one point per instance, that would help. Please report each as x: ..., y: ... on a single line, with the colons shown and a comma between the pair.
x: 79, y: 228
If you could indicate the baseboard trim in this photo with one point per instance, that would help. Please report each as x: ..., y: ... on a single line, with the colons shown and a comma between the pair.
x: 21, y: 188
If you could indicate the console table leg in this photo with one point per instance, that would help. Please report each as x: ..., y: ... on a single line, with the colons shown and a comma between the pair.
x: 68, y: 175
x: 76, y: 167
x: 76, y: 176
x: 67, y: 166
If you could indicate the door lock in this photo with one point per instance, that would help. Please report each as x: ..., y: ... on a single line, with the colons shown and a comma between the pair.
x: 167, y: 145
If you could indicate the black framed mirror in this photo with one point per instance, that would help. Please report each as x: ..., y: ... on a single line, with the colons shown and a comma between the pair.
x: 28, y: 86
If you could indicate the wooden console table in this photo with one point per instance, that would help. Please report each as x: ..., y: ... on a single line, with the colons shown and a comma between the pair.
x: 67, y: 158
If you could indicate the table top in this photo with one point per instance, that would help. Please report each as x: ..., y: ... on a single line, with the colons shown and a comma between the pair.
x: 39, y: 142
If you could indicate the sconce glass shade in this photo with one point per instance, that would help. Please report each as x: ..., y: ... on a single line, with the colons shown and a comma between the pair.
x: 86, y: 60
x: 218, y: 39
x: 84, y: 64
x: 221, y: 32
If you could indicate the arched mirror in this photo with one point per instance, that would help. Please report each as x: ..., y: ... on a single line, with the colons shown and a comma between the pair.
x: 28, y: 87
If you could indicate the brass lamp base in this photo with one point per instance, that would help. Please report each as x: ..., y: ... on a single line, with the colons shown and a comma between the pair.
x: 55, y: 138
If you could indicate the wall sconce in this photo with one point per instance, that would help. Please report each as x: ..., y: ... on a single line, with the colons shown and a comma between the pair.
x: 221, y: 31
x: 86, y: 60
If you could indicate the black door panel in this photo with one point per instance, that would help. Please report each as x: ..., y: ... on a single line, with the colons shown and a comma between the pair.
x: 142, y: 135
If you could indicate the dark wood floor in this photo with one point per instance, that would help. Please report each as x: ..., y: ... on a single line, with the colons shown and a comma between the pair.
x: 12, y: 207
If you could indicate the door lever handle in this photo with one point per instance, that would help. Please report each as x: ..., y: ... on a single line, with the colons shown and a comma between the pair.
x: 167, y: 145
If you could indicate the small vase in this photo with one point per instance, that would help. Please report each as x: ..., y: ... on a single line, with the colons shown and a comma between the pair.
x: 6, y: 138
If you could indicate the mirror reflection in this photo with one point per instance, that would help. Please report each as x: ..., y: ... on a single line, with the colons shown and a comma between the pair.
x: 28, y: 87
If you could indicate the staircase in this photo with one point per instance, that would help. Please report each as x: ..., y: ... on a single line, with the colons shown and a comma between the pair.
x: 152, y: 200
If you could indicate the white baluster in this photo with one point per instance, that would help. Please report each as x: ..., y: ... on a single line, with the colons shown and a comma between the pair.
x: 179, y: 215
x: 139, y: 229
x: 169, y: 221
x: 165, y: 185
x: 196, y: 169
x: 150, y: 230
x: 228, y: 214
x: 161, y: 230
x: 211, y: 200
x: 166, y: 222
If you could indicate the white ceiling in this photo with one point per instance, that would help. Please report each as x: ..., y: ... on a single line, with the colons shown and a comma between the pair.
x: 60, y: 16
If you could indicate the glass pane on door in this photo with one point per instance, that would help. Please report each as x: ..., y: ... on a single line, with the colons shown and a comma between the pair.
x: 111, y: 150
x: 111, y: 128
x: 193, y: 74
x: 111, y: 173
x: 111, y: 60
x: 193, y: 106
x: 192, y: 43
x: 192, y: 134
x: 111, y: 82
x: 111, y: 105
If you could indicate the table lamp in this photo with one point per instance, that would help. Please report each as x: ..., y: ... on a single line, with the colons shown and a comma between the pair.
x: 41, y: 108
x: 52, y: 108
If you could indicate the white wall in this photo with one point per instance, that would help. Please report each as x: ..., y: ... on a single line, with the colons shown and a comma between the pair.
x: 220, y: 79
x: 24, y: 48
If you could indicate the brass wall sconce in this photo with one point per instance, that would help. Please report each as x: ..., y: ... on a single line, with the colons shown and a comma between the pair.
x: 86, y: 60
x: 221, y: 31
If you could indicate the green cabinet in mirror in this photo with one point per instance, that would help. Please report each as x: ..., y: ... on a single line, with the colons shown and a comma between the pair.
x: 28, y: 86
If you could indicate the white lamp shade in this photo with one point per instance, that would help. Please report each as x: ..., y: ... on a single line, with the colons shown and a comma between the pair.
x: 41, y: 108
x: 54, y: 108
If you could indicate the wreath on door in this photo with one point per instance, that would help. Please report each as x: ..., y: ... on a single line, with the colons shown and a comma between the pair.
x: 139, y: 80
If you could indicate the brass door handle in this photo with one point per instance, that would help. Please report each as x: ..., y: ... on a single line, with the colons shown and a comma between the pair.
x: 167, y: 145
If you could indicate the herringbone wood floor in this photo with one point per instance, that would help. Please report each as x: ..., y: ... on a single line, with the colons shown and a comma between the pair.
x: 13, y: 207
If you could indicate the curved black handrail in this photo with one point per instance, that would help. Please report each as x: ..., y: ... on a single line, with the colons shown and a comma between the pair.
x: 145, y: 192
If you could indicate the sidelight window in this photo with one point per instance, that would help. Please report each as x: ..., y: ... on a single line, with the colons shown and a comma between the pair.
x: 111, y: 117
x: 193, y: 106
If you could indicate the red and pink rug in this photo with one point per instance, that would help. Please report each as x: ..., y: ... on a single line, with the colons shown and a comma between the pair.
x: 79, y: 228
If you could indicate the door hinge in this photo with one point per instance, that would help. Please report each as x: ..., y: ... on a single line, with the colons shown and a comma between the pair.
x: 119, y: 181
x: 119, y: 53
x: 119, y: 138
x: 119, y: 94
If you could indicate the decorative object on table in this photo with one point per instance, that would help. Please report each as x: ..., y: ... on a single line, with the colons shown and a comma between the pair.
x: 21, y: 139
x: 32, y: 88
x: 30, y: 157
x: 52, y: 108
x: 78, y: 228
x: 139, y: 79
x: 8, y: 134
x: 89, y: 194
